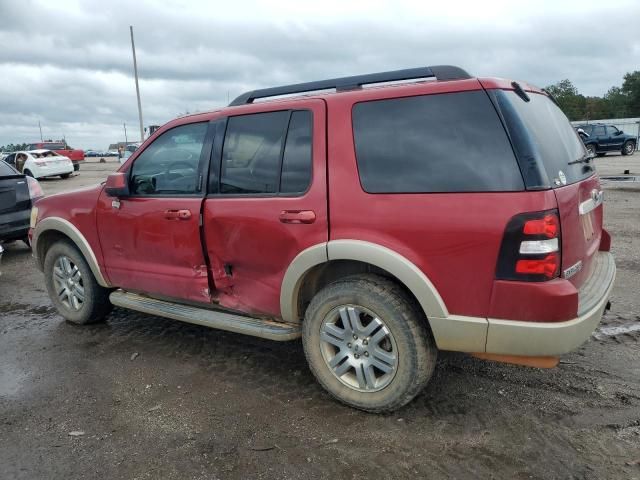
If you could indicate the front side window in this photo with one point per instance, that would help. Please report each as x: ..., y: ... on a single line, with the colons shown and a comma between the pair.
x: 452, y: 142
x: 611, y: 130
x: 267, y: 153
x: 170, y: 165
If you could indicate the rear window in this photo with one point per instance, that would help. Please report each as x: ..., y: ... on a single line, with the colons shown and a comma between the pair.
x: 553, y: 142
x: 6, y: 169
x: 450, y: 142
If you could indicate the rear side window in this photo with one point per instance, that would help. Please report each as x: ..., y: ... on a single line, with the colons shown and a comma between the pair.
x: 5, y: 169
x: 433, y: 143
x: 267, y: 153
x: 598, y: 131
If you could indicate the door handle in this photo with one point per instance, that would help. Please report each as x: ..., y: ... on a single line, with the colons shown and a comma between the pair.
x: 177, y: 214
x: 297, y: 216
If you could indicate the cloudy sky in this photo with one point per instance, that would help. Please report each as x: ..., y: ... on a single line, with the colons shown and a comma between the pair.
x: 67, y: 63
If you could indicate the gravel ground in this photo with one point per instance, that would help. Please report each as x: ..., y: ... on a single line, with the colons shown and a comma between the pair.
x: 143, y: 397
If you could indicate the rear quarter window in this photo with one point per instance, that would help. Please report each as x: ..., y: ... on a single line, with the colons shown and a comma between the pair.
x: 6, y: 169
x: 450, y: 142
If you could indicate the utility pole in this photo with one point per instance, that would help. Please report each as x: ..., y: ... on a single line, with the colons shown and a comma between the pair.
x: 135, y: 72
x: 126, y: 142
x: 40, y: 127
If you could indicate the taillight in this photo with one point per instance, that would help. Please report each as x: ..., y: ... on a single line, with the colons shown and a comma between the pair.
x: 530, y: 247
x: 35, y: 190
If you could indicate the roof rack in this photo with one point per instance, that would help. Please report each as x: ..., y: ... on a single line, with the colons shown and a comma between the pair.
x: 440, y: 72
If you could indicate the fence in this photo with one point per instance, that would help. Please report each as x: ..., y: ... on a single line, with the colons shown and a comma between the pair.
x: 630, y: 126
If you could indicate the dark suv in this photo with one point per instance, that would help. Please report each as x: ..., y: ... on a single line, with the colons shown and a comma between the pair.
x: 601, y: 138
x: 380, y: 224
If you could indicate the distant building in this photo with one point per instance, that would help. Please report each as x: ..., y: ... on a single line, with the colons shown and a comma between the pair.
x: 119, y: 145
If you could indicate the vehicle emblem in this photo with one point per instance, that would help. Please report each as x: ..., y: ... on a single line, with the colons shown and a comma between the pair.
x: 595, y: 195
x: 562, y: 177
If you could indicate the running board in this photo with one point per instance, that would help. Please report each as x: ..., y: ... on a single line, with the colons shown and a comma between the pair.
x: 209, y: 318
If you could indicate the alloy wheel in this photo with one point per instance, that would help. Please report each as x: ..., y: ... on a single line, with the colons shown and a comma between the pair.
x: 358, y: 348
x: 67, y: 280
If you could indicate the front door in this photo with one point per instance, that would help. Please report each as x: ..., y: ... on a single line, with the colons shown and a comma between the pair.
x: 267, y: 201
x: 614, y: 139
x: 151, y: 239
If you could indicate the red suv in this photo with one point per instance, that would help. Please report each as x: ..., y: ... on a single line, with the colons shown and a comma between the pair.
x: 380, y: 222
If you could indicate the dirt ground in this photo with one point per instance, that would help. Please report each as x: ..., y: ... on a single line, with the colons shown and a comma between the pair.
x: 141, y: 397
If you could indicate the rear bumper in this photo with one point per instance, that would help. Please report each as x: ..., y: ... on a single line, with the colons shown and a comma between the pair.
x: 510, y: 337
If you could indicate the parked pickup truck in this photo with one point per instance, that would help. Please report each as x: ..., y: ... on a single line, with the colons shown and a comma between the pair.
x: 381, y: 225
x: 60, y: 147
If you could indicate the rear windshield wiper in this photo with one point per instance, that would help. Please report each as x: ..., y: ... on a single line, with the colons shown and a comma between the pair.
x: 584, y: 159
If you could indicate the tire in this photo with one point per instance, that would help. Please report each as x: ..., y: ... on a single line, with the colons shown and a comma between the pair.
x: 600, y: 154
x: 628, y: 147
x: 369, y: 303
x: 95, y: 303
x: 76, y: 167
x: 591, y: 148
x: 65, y: 175
x: 28, y: 173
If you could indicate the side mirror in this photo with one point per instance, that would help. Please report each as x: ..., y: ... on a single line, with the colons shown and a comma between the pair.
x: 619, y: 132
x: 117, y: 185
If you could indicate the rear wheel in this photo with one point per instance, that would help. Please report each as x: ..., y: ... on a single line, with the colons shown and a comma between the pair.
x: 628, y: 147
x: 368, y: 344
x: 72, y: 287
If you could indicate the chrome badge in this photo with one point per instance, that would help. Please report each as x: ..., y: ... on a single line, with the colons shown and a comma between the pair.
x: 572, y: 270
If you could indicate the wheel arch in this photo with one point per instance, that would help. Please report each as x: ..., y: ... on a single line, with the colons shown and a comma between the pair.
x: 52, y: 229
x: 321, y: 264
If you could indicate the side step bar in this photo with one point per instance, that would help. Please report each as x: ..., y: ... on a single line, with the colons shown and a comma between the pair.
x: 209, y: 318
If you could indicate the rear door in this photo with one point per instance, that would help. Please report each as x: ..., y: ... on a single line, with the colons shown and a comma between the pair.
x: 267, y: 200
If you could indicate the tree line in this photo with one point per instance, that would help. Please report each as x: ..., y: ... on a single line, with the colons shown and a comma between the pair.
x: 618, y: 102
x: 14, y: 147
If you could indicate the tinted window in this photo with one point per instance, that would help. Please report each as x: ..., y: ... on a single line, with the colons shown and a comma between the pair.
x: 296, y: 161
x: 611, y: 130
x: 554, y: 142
x: 251, y: 153
x: 11, y: 159
x: 5, y: 169
x: 170, y: 164
x: 598, y: 131
x: 433, y: 143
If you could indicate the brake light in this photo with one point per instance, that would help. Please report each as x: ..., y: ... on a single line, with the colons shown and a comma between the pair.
x: 530, y: 247
x: 35, y: 190
x: 547, y: 266
x: 547, y: 226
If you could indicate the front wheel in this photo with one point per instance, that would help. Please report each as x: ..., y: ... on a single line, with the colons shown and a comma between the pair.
x: 368, y: 344
x: 65, y: 175
x: 628, y: 148
x: 72, y: 287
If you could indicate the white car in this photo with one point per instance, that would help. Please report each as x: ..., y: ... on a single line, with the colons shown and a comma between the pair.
x: 41, y: 163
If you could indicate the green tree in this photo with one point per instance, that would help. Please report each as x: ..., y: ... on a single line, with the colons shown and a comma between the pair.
x: 616, y: 102
x: 631, y: 89
x: 571, y: 102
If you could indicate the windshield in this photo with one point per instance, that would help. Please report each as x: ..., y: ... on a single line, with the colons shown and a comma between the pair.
x: 550, y: 138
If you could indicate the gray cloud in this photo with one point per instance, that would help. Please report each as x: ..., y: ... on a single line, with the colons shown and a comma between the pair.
x: 69, y: 66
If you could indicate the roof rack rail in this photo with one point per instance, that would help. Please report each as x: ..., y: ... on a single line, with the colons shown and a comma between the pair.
x: 440, y: 72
